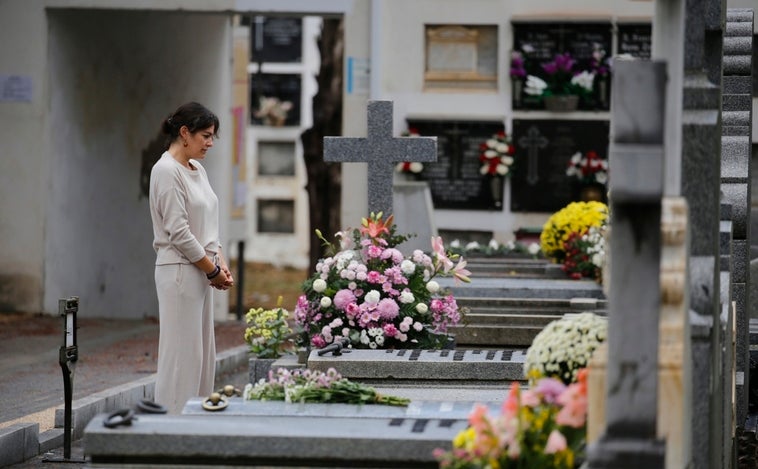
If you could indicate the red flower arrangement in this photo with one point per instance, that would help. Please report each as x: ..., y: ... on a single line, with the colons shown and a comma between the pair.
x: 589, y: 168
x: 496, y: 155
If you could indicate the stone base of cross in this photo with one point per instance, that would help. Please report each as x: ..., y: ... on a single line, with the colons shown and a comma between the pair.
x: 382, y: 152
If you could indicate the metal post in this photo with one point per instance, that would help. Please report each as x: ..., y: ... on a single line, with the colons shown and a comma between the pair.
x: 67, y: 357
x: 240, y: 278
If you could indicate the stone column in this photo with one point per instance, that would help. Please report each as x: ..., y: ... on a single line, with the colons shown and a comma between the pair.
x: 637, y: 124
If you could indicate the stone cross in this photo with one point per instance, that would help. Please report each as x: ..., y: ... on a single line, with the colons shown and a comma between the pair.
x: 533, y: 141
x: 382, y: 152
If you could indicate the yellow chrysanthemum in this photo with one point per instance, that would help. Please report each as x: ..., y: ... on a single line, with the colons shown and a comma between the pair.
x: 576, y: 217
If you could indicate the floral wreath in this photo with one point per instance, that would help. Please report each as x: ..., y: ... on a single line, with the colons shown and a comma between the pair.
x: 496, y: 155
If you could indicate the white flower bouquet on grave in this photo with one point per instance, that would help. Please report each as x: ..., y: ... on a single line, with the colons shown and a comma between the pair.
x: 372, y: 294
x: 309, y: 386
x: 565, y: 346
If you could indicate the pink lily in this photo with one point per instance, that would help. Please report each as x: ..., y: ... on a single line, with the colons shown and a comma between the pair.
x: 460, y: 273
x: 439, y: 249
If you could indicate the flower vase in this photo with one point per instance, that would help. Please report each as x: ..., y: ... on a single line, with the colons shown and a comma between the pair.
x: 258, y: 368
x: 562, y: 103
x: 591, y: 193
x: 496, y: 190
x: 518, y: 86
x: 602, y: 92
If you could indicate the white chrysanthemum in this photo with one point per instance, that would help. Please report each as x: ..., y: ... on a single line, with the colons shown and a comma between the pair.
x: 432, y: 286
x: 534, y: 248
x: 416, y: 167
x: 566, y: 345
x: 372, y: 297
x: 493, y: 244
x: 319, y: 285
x: 501, y: 169
x: 422, y: 308
x: 601, y: 177
x: 407, y: 297
x: 455, y: 243
x: 407, y: 266
x: 326, y: 302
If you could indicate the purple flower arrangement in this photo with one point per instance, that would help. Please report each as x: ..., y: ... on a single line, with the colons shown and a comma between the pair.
x: 374, y: 295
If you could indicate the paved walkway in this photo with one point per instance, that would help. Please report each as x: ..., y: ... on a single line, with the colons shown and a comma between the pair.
x: 112, y: 352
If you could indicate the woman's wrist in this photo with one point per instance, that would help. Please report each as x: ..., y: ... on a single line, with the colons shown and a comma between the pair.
x: 214, y: 273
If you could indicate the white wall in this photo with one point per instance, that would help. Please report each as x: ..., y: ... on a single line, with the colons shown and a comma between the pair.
x: 114, y: 75
x: 401, y: 76
x: 23, y: 179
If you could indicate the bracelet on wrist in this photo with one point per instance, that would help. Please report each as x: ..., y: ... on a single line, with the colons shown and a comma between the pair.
x: 214, y: 274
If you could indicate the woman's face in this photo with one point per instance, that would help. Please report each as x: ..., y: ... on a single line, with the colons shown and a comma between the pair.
x: 199, y: 142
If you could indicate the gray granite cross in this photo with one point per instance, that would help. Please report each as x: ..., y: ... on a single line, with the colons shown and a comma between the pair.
x: 382, y: 152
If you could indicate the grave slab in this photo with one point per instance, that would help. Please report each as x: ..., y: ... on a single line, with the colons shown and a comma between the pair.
x: 425, y: 365
x: 276, y: 441
x: 416, y: 409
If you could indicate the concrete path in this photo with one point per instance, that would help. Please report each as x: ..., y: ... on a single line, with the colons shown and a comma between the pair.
x: 112, y: 354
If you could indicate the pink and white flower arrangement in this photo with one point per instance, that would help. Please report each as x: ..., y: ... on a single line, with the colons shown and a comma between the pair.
x: 542, y: 427
x: 371, y: 293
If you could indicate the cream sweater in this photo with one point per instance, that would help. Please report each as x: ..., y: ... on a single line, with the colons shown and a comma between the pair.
x: 184, y: 210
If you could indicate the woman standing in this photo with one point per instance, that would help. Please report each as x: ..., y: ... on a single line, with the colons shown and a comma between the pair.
x: 184, y: 210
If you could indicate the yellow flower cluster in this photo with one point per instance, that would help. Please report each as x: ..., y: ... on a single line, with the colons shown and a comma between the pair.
x: 268, y: 331
x: 576, y: 217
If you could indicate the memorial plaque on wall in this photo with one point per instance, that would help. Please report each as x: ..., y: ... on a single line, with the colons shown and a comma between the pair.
x: 276, y: 158
x: 283, y: 86
x: 635, y: 40
x: 276, y: 216
x: 454, y: 179
x: 275, y: 39
x: 543, y: 150
x: 539, y: 43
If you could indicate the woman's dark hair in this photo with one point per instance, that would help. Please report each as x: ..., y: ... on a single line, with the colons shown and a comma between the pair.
x: 194, y: 115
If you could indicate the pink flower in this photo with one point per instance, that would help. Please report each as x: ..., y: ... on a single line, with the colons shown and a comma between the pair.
x: 441, y: 257
x: 555, y: 442
x: 318, y: 341
x: 373, y: 252
x: 375, y: 277
x: 390, y: 330
x: 550, y: 389
x: 460, y: 273
x: 388, y: 308
x: 574, y: 402
x: 343, y: 298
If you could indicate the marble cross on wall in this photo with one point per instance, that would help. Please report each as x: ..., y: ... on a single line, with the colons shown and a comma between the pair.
x: 382, y: 152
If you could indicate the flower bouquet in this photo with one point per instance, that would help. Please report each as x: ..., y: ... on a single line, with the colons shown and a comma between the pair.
x: 272, y: 111
x: 576, y: 217
x: 496, y: 155
x: 564, y: 347
x: 585, y: 253
x: 269, y: 334
x: 542, y: 427
x: 372, y: 294
x: 315, y: 386
x: 588, y: 168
